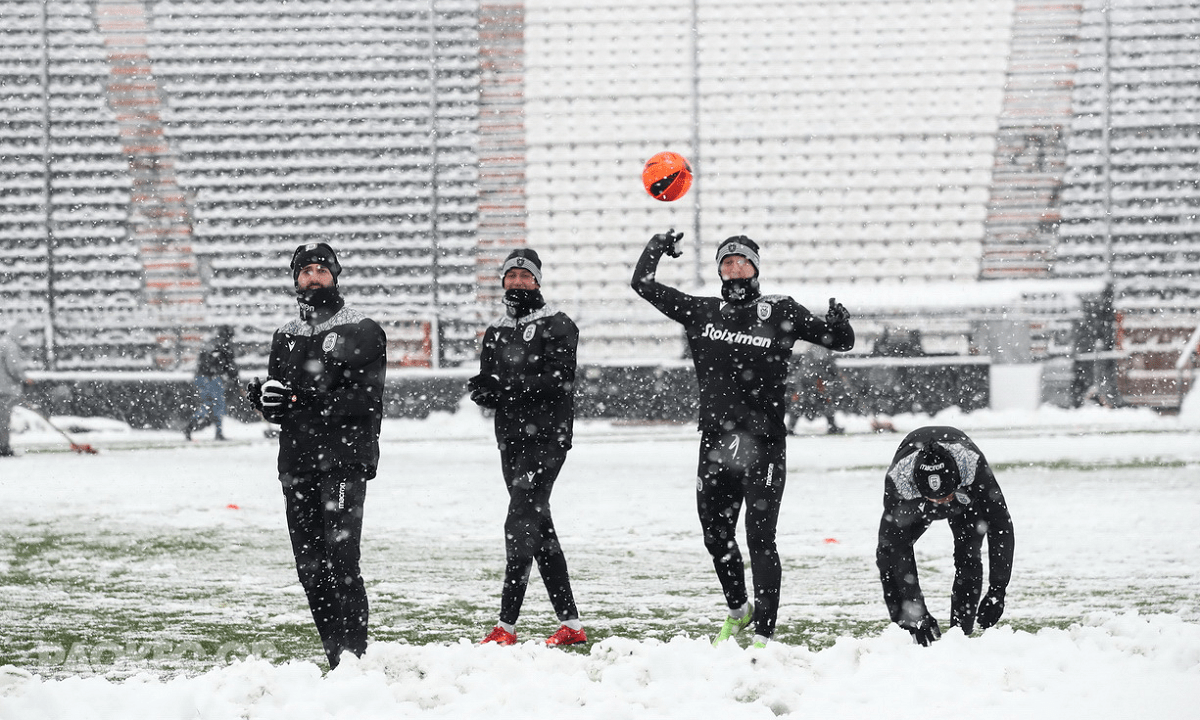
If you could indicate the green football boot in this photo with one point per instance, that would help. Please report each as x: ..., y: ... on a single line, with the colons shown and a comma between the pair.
x: 733, y: 626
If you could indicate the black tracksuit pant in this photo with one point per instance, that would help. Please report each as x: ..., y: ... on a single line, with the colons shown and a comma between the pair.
x: 738, y: 468
x: 898, y: 533
x: 324, y: 516
x: 530, y: 469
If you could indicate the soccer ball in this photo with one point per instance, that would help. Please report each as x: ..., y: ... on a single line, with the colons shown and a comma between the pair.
x: 667, y: 176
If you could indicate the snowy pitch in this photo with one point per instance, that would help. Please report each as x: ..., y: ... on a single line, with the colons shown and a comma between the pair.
x: 138, y: 581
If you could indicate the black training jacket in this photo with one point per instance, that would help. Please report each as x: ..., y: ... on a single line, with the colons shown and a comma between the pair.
x: 336, y: 369
x: 740, y: 350
x: 533, y: 357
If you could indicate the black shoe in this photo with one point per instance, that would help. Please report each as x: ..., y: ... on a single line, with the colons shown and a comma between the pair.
x: 219, y: 437
x: 7, y: 452
x: 187, y: 433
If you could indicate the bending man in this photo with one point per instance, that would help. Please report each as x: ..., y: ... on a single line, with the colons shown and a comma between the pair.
x: 939, y: 473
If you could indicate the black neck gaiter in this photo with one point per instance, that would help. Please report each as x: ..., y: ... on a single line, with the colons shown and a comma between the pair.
x: 319, y: 304
x: 522, y: 302
x: 740, y: 290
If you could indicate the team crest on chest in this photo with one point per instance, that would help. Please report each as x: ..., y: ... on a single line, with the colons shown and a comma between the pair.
x: 764, y: 310
x: 330, y: 341
x: 530, y: 331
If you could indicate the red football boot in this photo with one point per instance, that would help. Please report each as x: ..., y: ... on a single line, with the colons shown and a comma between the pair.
x: 500, y: 636
x: 567, y: 636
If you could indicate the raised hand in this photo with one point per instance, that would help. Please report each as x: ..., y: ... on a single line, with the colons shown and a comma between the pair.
x: 669, y: 242
x: 837, y: 313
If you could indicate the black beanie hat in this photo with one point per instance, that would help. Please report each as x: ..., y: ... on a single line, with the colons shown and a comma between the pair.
x: 523, y: 258
x: 739, y: 245
x: 935, y: 472
x: 315, y: 253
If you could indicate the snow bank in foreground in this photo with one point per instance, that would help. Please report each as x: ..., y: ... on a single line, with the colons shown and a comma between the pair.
x: 1124, y: 666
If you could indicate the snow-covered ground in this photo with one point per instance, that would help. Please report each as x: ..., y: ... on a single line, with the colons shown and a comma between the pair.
x: 139, y: 579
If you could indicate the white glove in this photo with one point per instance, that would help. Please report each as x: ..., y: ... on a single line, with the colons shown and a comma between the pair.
x: 274, y: 394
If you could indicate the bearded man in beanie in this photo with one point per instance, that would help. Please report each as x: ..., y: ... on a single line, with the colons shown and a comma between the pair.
x: 527, y: 376
x: 325, y: 390
x: 938, y: 472
x: 740, y: 344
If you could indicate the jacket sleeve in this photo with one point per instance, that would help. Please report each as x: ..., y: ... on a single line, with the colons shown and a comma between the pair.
x: 1000, y: 539
x: 897, y: 563
x: 837, y: 336
x: 674, y: 304
x: 487, y: 353
x: 275, y: 371
x: 360, y: 391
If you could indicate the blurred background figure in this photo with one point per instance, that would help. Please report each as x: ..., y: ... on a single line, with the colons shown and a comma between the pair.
x: 888, y: 391
x: 815, y: 389
x: 12, y: 382
x: 215, y: 370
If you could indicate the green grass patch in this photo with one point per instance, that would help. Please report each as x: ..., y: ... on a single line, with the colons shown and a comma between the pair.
x: 1076, y: 465
x: 94, y: 595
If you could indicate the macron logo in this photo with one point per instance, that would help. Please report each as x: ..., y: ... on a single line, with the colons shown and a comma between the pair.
x: 735, y: 338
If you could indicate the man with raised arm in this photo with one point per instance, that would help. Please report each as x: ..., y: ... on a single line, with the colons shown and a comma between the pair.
x: 740, y: 345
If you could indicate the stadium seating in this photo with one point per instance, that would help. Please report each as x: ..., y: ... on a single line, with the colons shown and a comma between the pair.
x: 1130, y: 201
x: 281, y: 122
x: 854, y: 140
x: 864, y: 143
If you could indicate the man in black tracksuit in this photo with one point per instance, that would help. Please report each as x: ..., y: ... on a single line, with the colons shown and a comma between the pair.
x: 740, y: 345
x: 527, y: 375
x: 938, y: 472
x: 325, y: 390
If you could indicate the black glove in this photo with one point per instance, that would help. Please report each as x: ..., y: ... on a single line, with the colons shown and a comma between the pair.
x: 668, y: 241
x: 485, y: 391
x: 991, y: 607
x: 924, y: 631
x: 837, y: 313
x: 254, y: 393
x: 274, y: 395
